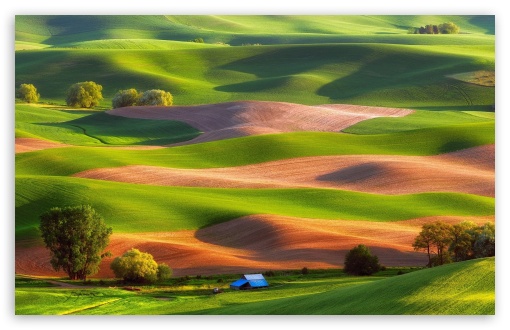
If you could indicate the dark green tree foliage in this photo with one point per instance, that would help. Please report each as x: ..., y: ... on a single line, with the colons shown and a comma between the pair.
x: 28, y: 93
x: 485, y: 243
x: 463, y: 240
x: 85, y: 94
x: 125, y: 98
x: 360, y: 261
x: 445, y: 28
x: 76, y: 237
x: 139, y: 267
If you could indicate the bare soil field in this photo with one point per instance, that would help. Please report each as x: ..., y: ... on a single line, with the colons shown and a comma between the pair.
x: 236, y: 119
x: 258, y: 242
x: 467, y: 171
x: 31, y: 144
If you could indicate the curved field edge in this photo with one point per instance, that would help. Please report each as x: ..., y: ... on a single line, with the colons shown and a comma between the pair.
x: 465, y: 288
x: 258, y: 149
x: 176, y: 208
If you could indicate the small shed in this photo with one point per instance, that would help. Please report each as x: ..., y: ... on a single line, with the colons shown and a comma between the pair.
x: 249, y: 281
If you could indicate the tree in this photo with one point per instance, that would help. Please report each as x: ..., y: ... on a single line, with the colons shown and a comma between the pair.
x: 85, y: 94
x: 462, y: 240
x: 136, y: 266
x: 360, y: 261
x: 125, y: 98
x: 424, y: 241
x: 448, y: 28
x: 76, y: 237
x: 28, y: 93
x: 156, y: 97
x: 436, y: 234
x: 485, y: 243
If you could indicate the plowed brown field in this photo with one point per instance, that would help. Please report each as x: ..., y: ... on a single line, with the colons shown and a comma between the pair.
x: 235, y: 119
x: 258, y: 243
x: 468, y: 171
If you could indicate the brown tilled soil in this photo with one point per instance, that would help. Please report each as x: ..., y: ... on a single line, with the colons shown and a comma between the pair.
x: 258, y: 243
x: 468, y: 171
x: 235, y: 119
x: 31, y: 144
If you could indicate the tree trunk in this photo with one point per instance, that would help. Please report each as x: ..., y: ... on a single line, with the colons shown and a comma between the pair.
x: 428, y: 253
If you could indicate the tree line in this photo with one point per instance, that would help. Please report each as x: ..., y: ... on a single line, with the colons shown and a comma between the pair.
x: 88, y: 94
x: 445, y: 28
x: 445, y: 243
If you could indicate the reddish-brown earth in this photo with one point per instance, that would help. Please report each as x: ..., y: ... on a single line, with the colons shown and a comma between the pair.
x: 31, y: 144
x: 468, y: 171
x: 258, y: 243
x: 235, y: 119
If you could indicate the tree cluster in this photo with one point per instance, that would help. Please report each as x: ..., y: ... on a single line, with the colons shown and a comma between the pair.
x: 445, y: 28
x: 445, y: 243
x: 139, y: 267
x: 130, y: 97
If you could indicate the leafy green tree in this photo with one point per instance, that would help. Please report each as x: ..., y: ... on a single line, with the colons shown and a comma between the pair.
x: 441, y: 238
x: 424, y: 241
x: 485, y: 243
x: 156, y: 97
x: 125, y: 98
x: 76, y: 237
x: 164, y: 272
x: 136, y: 266
x: 360, y: 261
x: 85, y: 94
x: 462, y: 240
x: 28, y: 93
x: 448, y: 28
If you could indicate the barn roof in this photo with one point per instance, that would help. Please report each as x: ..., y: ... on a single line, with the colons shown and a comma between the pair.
x: 239, y: 282
x: 250, y: 277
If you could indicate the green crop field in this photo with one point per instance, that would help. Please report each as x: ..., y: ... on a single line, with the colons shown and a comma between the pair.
x: 368, y: 60
x: 461, y: 288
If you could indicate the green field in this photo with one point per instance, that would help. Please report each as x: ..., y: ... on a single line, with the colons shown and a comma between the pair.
x: 365, y: 60
x: 465, y: 288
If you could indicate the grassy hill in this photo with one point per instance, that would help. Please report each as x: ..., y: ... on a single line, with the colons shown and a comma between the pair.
x: 369, y: 74
x: 464, y: 288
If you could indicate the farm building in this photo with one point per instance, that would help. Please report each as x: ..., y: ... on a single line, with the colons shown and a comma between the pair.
x: 250, y: 281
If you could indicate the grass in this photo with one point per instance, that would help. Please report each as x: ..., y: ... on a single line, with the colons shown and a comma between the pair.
x: 257, y: 149
x: 176, y: 208
x: 369, y: 74
x: 82, y: 127
x: 419, y: 120
x: 465, y: 288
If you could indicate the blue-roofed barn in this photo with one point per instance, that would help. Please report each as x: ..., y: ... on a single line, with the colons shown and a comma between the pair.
x: 250, y: 281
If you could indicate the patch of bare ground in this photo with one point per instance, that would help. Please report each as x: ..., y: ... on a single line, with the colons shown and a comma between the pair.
x: 259, y: 243
x: 481, y: 77
x: 31, y: 144
x: 469, y: 171
x: 236, y: 119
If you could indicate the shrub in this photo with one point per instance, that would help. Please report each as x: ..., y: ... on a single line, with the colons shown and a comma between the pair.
x: 125, y: 98
x: 304, y: 271
x: 156, y: 97
x: 28, y: 93
x: 220, y: 280
x: 198, y: 40
x: 84, y: 94
x: 359, y: 261
x: 136, y: 266
x: 269, y: 273
x: 448, y: 28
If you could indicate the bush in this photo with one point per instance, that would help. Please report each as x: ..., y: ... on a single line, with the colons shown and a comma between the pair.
x: 448, y: 28
x: 156, y: 97
x: 269, y: 273
x: 136, y: 266
x: 125, y: 98
x: 28, y: 93
x: 198, y: 40
x: 84, y: 94
x: 359, y: 261
x: 304, y: 271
